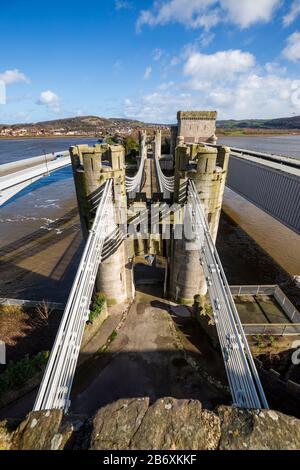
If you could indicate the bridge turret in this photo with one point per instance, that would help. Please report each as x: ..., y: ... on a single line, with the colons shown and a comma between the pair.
x: 143, y: 143
x: 207, y: 167
x: 92, y: 166
x: 157, y: 143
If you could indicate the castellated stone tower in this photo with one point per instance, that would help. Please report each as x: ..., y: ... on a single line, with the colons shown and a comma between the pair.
x: 197, y: 126
x: 207, y: 167
x: 92, y: 166
x: 194, y: 127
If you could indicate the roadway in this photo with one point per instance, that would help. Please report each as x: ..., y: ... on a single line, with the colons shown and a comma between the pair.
x: 14, y: 179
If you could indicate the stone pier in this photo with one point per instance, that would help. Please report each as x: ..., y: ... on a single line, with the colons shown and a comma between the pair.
x: 92, y: 166
x: 207, y: 167
x: 143, y: 144
x: 157, y: 144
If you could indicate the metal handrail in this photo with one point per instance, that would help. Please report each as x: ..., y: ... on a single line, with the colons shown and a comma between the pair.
x: 244, y: 382
x: 56, y: 385
x: 166, y: 183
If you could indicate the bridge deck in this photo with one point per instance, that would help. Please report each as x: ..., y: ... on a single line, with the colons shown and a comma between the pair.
x: 147, y: 359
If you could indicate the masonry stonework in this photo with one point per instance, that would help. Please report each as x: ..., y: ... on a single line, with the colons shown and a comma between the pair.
x: 197, y: 126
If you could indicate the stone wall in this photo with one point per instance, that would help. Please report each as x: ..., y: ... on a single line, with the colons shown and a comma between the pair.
x: 207, y: 167
x: 168, y: 424
x: 92, y: 167
x: 196, y: 126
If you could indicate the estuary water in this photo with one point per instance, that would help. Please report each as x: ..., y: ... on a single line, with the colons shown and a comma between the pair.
x: 286, y: 145
x: 40, y: 238
x: 281, y: 243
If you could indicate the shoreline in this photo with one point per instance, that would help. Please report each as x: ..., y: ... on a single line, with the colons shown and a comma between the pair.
x: 219, y: 133
x: 49, y: 137
x: 257, y: 134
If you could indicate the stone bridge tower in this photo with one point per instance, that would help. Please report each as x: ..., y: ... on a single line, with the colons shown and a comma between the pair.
x: 204, y: 164
x: 207, y: 167
x: 92, y: 166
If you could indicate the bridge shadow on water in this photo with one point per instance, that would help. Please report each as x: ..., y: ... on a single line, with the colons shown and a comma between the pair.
x: 27, y: 245
x: 28, y: 333
x: 56, y: 249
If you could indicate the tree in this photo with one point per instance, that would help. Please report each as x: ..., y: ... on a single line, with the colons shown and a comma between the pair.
x: 131, y: 149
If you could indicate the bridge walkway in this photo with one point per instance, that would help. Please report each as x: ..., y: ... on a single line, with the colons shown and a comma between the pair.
x: 150, y: 185
x: 146, y: 359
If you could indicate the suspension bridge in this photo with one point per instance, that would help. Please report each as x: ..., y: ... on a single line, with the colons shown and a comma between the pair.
x: 197, y: 185
x: 243, y: 379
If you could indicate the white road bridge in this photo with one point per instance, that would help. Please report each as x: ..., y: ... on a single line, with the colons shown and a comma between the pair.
x: 18, y: 175
x: 244, y: 382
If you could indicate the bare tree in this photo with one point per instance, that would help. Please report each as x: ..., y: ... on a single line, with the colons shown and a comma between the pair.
x: 42, y: 314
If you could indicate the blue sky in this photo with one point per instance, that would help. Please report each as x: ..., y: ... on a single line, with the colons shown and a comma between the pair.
x: 146, y: 59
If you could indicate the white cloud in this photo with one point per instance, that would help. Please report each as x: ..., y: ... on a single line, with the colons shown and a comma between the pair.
x: 183, y: 11
x: 273, y: 68
x: 123, y: 5
x: 292, y: 49
x: 202, y: 69
x: 230, y: 81
x: 208, y: 13
x: 205, y: 39
x: 49, y: 99
x: 254, y: 96
x: 247, y: 12
x: 293, y: 13
x: 13, y: 76
x: 251, y: 96
x: 159, y: 107
x: 157, y: 54
x: 166, y: 86
x: 147, y: 73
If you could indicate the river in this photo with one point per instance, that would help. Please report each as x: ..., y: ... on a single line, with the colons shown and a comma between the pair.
x: 40, y: 238
x: 281, y: 243
x: 286, y: 145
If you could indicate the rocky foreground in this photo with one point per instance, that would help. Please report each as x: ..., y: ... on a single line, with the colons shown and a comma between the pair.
x: 168, y: 424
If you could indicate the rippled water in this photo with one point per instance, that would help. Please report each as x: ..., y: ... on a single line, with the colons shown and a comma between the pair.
x: 278, y: 241
x: 18, y: 149
x: 287, y: 145
x: 39, y: 225
x: 48, y: 198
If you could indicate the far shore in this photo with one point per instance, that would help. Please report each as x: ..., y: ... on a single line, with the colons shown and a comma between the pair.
x: 255, y: 132
x: 220, y: 133
x: 54, y: 137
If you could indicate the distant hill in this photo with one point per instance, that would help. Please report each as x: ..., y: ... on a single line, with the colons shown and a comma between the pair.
x: 280, y: 123
x: 94, y: 125
x: 84, y: 123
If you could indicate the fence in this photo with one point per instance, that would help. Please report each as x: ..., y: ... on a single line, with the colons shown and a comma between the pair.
x: 271, y: 329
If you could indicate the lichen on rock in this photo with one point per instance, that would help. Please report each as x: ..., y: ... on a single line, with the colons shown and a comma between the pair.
x: 167, y: 424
